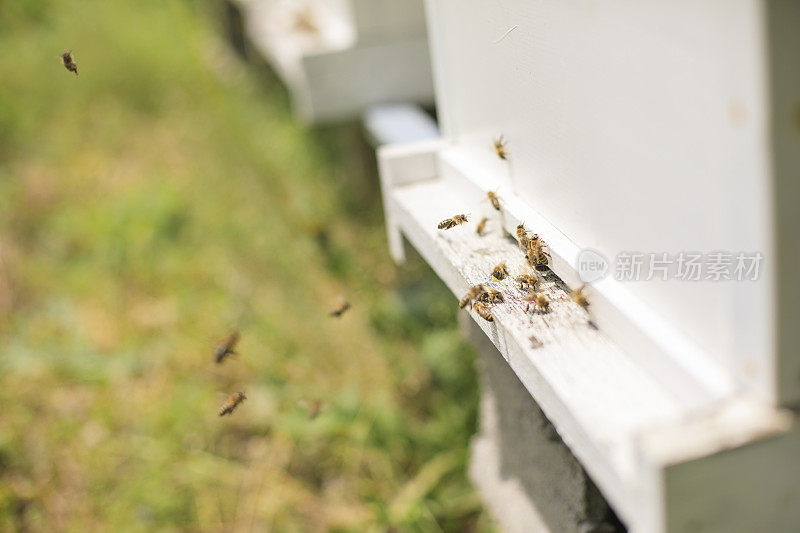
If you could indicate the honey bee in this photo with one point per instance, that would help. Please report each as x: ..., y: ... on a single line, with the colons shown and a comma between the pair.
x: 452, y: 222
x: 340, y: 308
x: 579, y: 298
x: 491, y: 296
x: 522, y: 236
x: 69, y: 62
x: 529, y: 280
x: 226, y: 347
x: 481, y: 227
x: 500, y: 271
x: 232, y: 403
x: 484, y: 311
x: 474, y: 293
x: 500, y: 147
x: 538, y: 300
x: 494, y: 200
x: 536, y: 256
x: 529, y: 258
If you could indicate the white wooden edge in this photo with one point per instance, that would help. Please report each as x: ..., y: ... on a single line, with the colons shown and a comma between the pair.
x: 398, y: 123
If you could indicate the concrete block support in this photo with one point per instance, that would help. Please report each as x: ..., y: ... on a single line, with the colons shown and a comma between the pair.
x: 527, y: 476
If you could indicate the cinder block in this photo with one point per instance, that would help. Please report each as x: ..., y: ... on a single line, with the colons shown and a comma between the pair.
x: 528, y: 478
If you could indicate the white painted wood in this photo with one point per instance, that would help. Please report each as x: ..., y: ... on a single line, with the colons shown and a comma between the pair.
x: 379, y: 20
x: 398, y: 123
x: 656, y: 345
x: 641, y: 126
x: 342, y: 84
x: 735, y: 470
x: 397, y: 165
x: 737, y: 491
x: 632, y: 126
x: 339, y: 57
x: 626, y: 422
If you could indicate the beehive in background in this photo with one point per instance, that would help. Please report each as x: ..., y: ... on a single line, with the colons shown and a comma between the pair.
x: 339, y: 57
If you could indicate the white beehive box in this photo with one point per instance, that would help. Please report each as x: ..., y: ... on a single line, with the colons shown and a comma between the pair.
x: 633, y: 128
x: 339, y: 57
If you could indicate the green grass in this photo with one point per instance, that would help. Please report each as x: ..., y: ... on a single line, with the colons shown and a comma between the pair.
x: 161, y: 198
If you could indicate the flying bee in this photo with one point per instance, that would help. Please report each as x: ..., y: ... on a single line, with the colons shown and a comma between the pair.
x: 500, y: 271
x: 494, y: 200
x: 500, y: 147
x: 529, y: 280
x: 481, y: 227
x: 452, y: 222
x: 474, y: 293
x: 69, y: 62
x: 340, y: 308
x: 536, y: 256
x: 491, y: 296
x: 232, y: 403
x: 579, y: 298
x: 538, y: 300
x: 226, y: 347
x: 484, y: 311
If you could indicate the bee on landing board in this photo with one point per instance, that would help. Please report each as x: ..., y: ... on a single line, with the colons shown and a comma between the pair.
x: 480, y: 229
x: 484, y: 311
x: 494, y: 200
x: 233, y: 401
x: 529, y: 280
x: 579, y: 298
x: 226, y: 347
x: 452, y: 222
x: 500, y: 148
x: 522, y: 236
x: 340, y: 308
x: 539, y: 301
x: 500, y: 271
x: 535, y: 255
x: 473, y: 294
x: 492, y: 296
x: 69, y: 62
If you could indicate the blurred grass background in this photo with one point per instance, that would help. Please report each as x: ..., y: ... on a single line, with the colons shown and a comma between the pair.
x: 147, y: 207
